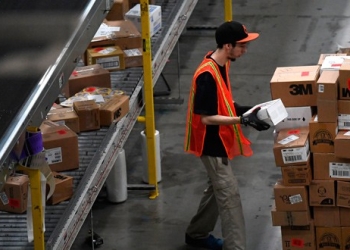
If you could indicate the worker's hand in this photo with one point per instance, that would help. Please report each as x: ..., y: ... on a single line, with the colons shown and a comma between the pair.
x: 240, y: 110
x: 252, y: 120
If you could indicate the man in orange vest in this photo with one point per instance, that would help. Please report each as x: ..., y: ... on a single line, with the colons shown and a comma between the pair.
x: 213, y: 133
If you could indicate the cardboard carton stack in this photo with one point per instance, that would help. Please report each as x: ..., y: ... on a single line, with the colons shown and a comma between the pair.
x: 312, y: 201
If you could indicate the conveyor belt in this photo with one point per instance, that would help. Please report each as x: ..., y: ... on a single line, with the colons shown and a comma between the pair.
x: 98, y: 149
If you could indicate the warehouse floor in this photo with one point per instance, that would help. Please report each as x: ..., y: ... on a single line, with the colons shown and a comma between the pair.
x: 292, y: 33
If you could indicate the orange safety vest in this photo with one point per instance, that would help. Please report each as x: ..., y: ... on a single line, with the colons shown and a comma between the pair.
x: 231, y: 135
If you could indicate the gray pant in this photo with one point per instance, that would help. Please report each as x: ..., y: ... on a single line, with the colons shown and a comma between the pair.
x: 220, y: 198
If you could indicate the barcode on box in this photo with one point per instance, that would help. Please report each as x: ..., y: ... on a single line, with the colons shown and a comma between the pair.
x: 339, y: 170
x: 295, y: 199
x: 3, y: 198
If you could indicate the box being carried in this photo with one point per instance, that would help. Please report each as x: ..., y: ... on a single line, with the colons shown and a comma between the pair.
x: 272, y: 112
x: 155, y: 15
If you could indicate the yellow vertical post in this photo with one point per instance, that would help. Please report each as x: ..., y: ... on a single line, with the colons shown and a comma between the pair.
x: 228, y: 10
x: 148, y: 94
x: 37, y: 206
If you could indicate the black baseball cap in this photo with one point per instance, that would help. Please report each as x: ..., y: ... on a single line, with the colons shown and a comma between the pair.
x: 233, y: 32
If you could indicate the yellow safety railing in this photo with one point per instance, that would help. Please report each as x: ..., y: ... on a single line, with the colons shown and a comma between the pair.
x: 148, y: 95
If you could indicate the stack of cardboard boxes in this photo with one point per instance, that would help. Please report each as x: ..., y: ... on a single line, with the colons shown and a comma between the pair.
x: 312, y: 200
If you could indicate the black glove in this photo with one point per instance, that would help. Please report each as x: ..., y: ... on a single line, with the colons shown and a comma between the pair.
x: 240, y: 110
x: 253, y: 121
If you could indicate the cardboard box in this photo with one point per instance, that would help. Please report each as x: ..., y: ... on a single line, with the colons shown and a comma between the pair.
x: 61, y: 147
x: 333, y: 62
x: 345, y: 236
x: 344, y: 122
x: 118, y: 10
x: 290, y: 218
x: 82, y: 77
x: 133, y: 58
x: 343, y: 194
x: 322, y: 193
x: 344, y: 216
x: 63, y: 188
x: 327, y: 111
x: 89, y: 115
x: 344, y: 80
x: 110, y: 58
x: 292, y: 147
x: 298, y: 237
x: 322, y: 136
x: 328, y: 238
x: 114, y: 109
x: 155, y: 16
x: 290, y: 198
x: 323, y: 56
x: 329, y: 167
x: 65, y: 116
x: 272, y: 112
x: 299, y: 175
x: 297, y: 117
x: 342, y: 144
x: 326, y: 216
x: 327, y: 86
x: 122, y: 33
x: 14, y: 195
x: 296, y: 86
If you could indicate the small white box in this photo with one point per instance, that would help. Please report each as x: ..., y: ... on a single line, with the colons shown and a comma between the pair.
x: 155, y: 16
x: 333, y: 62
x: 272, y: 112
x: 297, y: 117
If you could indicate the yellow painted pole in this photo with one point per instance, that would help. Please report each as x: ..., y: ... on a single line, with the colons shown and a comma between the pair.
x: 148, y: 94
x: 228, y: 10
x: 37, y: 206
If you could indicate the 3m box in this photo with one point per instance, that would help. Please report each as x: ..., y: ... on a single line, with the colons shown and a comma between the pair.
x: 272, y: 112
x: 344, y: 80
x: 122, y: 33
x: 342, y: 144
x: 290, y: 218
x: 298, y: 237
x: 82, y: 77
x: 14, y: 195
x: 343, y: 194
x: 133, y: 58
x: 291, y: 198
x: 295, y: 86
x: 118, y: 10
x: 63, y: 188
x: 89, y: 115
x: 65, y: 116
x: 322, y: 193
x: 322, y: 136
x: 155, y: 16
x: 298, y: 175
x: 110, y: 58
x: 292, y: 147
x: 114, y: 109
x: 327, y: 166
x: 297, y: 117
x: 326, y: 216
x: 61, y: 147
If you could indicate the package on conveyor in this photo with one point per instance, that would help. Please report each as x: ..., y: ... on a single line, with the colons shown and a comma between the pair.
x: 63, y: 188
x: 65, y: 116
x: 118, y: 10
x: 82, y: 77
x: 89, y: 114
x: 61, y: 146
x: 110, y: 58
x: 155, y: 17
x: 296, y: 85
x: 14, y: 195
x: 133, y: 57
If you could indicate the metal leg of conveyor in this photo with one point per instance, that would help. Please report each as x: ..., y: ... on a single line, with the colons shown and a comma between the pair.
x: 93, y: 240
x: 170, y: 100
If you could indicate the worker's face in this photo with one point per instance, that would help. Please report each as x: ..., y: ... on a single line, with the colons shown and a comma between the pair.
x: 236, y: 51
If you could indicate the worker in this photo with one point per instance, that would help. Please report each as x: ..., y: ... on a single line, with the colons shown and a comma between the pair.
x: 214, y: 133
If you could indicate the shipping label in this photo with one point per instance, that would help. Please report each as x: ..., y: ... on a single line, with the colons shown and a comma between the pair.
x: 53, y: 155
x: 339, y: 170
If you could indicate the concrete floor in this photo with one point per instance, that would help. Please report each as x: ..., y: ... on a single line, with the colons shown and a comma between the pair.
x: 292, y: 33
